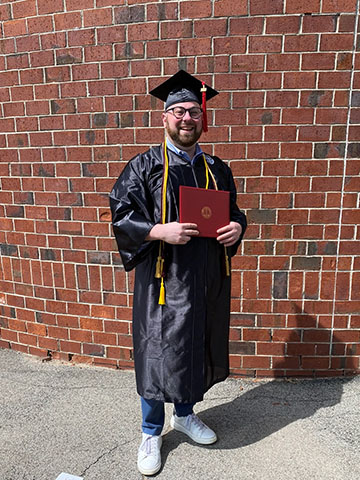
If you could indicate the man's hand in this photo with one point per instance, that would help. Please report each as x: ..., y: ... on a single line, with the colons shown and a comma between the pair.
x: 174, y: 232
x: 229, y: 234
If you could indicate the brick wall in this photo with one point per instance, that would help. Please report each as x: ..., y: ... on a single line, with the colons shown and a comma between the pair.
x: 73, y: 83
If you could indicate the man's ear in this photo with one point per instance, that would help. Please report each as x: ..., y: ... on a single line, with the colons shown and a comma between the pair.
x: 163, y: 117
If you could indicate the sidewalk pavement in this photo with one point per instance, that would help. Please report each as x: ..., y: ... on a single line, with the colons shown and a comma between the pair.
x: 85, y: 421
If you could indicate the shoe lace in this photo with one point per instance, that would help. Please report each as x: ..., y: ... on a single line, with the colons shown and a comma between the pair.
x: 194, y: 419
x: 150, y: 445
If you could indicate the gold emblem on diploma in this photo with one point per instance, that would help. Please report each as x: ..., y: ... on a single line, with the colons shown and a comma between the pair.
x: 206, y: 212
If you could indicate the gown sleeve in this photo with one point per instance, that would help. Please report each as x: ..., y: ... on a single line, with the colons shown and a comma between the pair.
x: 132, y: 213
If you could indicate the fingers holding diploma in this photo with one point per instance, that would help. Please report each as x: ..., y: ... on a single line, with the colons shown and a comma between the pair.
x: 174, y: 232
x: 229, y: 234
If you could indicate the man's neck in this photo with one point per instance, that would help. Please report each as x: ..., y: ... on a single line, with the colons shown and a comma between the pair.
x: 189, y: 150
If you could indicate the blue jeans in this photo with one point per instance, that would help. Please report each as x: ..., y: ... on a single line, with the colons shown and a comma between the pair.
x: 153, y: 414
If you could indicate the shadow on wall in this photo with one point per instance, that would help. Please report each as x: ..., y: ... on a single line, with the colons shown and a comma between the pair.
x: 312, y: 351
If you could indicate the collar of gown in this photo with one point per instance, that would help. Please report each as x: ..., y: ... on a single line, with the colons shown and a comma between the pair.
x: 185, y: 156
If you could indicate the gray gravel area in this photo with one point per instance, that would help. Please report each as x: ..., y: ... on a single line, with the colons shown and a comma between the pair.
x: 85, y: 421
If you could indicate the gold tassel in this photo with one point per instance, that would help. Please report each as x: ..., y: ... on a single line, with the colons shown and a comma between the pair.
x: 227, y: 264
x: 162, y: 293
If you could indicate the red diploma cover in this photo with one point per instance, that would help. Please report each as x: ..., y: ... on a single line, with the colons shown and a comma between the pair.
x: 209, y: 209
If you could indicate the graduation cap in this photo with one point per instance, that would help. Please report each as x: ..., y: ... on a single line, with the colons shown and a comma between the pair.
x: 183, y: 87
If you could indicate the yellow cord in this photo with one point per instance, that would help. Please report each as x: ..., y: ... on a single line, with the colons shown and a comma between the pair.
x: 208, y: 170
x: 159, y: 270
x: 164, y: 186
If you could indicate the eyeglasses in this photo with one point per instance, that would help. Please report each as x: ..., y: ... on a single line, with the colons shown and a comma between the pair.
x: 179, y: 112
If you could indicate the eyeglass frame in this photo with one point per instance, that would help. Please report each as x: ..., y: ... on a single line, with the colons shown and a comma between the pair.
x: 186, y: 110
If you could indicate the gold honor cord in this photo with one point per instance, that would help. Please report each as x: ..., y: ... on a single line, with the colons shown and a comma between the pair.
x: 159, y: 271
x: 208, y: 170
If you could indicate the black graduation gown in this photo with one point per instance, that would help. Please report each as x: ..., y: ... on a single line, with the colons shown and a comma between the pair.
x: 181, y: 348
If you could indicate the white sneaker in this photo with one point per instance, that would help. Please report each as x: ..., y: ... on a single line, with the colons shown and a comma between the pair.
x: 192, y: 426
x: 149, y: 458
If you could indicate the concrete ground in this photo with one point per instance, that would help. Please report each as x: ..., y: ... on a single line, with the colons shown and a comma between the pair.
x: 85, y: 421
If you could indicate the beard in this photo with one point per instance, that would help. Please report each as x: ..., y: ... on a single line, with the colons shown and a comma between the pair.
x: 184, y: 138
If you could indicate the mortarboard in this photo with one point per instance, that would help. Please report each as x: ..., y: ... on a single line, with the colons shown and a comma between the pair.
x: 183, y: 87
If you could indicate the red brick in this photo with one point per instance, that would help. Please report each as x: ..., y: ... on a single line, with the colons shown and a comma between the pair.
x: 316, y: 133
x: 319, y: 23
x: 32, y: 76
x: 334, y: 80
x: 149, y: 31
x: 67, y: 21
x: 123, y: 51
x: 331, y: 115
x: 202, y: 28
x: 246, y: 26
x: 77, y: 89
x: 256, y: 362
x: 53, y: 40
x: 161, y: 11
x: 7, y: 124
x: 84, y: 4
x: 300, y: 43
x: 98, y: 53
x: 18, y: 61
x: 81, y: 37
x: 198, y: 9
x: 40, y: 24
x: 336, y: 42
x: 86, y: 72
x: 282, y: 24
x: 14, y: 28
x: 300, y: 80
x: 46, y: 91
x: 97, y: 17
x: 28, y: 44
x: 246, y: 133
x: 336, y: 6
x: 282, y: 62
x: 318, y: 61
x: 229, y: 8
x: 8, y: 78
x: 260, y: 81
x: 5, y: 12
x: 247, y: 63
x: 259, y: 7
x: 153, y: 67
x: 306, y: 6
x: 114, y: 34
x: 71, y: 347
x: 280, y: 133
x: 50, y: 6
x: 266, y: 44
x: 347, y: 23
x: 166, y: 48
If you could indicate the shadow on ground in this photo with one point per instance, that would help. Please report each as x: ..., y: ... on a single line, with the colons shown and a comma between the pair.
x: 263, y: 410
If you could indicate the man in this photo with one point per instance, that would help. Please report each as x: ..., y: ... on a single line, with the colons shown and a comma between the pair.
x: 182, y: 291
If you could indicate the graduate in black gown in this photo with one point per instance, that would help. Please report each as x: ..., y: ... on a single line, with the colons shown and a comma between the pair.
x: 181, y: 307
